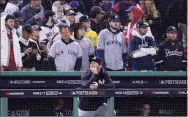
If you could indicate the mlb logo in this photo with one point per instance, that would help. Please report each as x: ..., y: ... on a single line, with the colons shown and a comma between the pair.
x: 162, y: 82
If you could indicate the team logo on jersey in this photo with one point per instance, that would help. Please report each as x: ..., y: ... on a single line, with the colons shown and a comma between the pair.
x: 59, y: 52
x: 112, y: 42
x: 173, y: 53
x: 101, y: 81
x: 145, y: 45
x: 70, y: 52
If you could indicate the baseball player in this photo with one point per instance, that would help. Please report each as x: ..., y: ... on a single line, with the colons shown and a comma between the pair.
x: 94, y: 78
x: 85, y: 44
x: 49, y: 29
x: 111, y: 46
x: 170, y: 55
x: 142, y: 48
x: 65, y: 52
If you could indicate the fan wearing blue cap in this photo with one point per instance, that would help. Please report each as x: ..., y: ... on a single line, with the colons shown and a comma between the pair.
x: 95, y: 78
x: 142, y: 48
x: 170, y: 55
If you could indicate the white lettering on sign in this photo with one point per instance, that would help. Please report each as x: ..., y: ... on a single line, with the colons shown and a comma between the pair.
x: 19, y: 113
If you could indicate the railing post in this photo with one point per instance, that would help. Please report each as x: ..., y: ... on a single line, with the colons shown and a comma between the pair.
x: 75, y: 106
x: 4, y: 107
x: 110, y: 105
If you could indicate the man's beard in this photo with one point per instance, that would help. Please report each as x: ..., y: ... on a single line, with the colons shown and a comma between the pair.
x: 53, y: 21
x: 114, y: 28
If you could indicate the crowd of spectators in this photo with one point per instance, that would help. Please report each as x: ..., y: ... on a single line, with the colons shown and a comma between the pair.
x: 64, y: 35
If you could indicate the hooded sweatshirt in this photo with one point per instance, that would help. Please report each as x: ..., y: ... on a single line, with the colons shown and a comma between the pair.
x: 142, y: 48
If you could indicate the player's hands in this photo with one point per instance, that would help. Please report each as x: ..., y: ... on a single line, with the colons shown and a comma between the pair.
x: 94, y: 85
x: 29, y: 50
x: 37, y: 16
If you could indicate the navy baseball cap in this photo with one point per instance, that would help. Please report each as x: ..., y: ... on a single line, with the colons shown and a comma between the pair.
x: 17, y: 14
x: 28, y: 28
x: 97, y: 59
x: 63, y: 24
x: 84, y: 18
x: 114, y: 17
x: 142, y: 24
x: 171, y: 29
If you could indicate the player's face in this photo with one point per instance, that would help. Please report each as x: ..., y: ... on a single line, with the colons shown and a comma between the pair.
x: 10, y: 23
x: 115, y: 25
x: 95, y: 64
x: 146, y: 110
x: 130, y: 15
x: 172, y: 36
x: 36, y: 4
x: 143, y: 31
x: 65, y: 33
x: 81, y: 32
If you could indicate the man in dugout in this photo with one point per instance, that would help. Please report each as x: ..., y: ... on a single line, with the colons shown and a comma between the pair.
x: 95, y: 78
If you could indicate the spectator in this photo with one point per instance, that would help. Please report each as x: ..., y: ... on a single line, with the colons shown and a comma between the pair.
x: 152, y: 17
x: 85, y: 44
x: 49, y: 28
x: 58, y: 9
x: 94, y: 78
x: 111, y: 46
x: 142, y: 48
x: 70, y: 16
x: 12, y: 6
x: 170, y: 52
x: 92, y: 35
x: 2, y: 6
x: 47, y: 4
x: 17, y: 23
x: 32, y: 12
x: 97, y: 15
x: 121, y: 7
x: 66, y: 54
x: 10, y: 48
x: 30, y: 50
x: 145, y: 110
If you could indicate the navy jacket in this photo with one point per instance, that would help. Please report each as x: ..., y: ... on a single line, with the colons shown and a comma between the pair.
x: 145, y: 62
x: 170, y: 56
x: 88, y: 78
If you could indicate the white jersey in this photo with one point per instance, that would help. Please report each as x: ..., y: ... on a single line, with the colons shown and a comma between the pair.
x: 114, y: 47
x: 10, y: 8
x: 48, y: 33
x: 87, y: 50
x: 65, y: 55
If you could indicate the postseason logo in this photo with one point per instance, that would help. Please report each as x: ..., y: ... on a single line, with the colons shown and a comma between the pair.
x: 173, y: 82
x: 87, y: 93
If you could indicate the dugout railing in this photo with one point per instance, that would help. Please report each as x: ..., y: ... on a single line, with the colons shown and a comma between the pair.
x: 23, y: 85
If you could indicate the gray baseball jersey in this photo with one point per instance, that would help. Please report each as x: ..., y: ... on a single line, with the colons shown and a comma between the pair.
x: 114, y: 47
x: 65, y: 55
x: 87, y: 50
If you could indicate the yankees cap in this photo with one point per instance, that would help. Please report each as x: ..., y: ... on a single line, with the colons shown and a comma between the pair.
x: 97, y: 59
x: 142, y: 24
x: 171, y: 29
x: 63, y: 24
x: 84, y: 18
x: 114, y: 17
x: 27, y: 28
